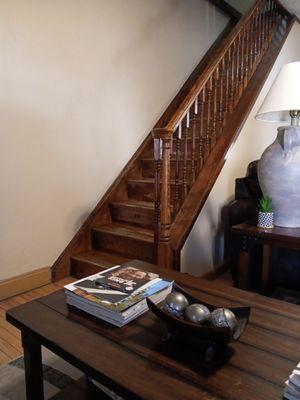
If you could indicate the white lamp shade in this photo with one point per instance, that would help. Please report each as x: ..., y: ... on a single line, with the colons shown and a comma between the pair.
x: 283, y: 96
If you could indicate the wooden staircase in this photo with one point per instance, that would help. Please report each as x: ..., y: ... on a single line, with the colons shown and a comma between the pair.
x: 150, y: 209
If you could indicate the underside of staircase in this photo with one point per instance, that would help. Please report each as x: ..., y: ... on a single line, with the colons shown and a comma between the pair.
x: 128, y: 221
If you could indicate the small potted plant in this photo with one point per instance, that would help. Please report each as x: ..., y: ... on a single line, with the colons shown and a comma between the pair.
x: 265, y: 214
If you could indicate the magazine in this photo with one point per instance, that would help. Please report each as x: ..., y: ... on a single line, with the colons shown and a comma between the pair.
x: 124, y: 278
x: 89, y: 289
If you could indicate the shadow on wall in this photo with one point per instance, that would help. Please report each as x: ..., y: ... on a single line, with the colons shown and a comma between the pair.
x: 208, y: 245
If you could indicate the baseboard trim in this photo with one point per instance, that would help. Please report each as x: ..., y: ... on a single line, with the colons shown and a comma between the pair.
x: 22, y: 283
x: 219, y: 270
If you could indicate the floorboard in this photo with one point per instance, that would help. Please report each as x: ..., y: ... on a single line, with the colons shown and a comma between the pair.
x: 10, y: 338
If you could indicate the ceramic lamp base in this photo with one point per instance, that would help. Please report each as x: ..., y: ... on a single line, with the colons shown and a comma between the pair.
x: 278, y: 175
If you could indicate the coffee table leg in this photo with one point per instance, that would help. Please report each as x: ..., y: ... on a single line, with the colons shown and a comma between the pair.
x: 33, y: 369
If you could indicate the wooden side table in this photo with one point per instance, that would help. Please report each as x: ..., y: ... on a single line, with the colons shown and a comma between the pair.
x: 250, y: 234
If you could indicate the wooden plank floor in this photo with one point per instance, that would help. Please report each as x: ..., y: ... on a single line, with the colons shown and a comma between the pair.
x: 10, y: 338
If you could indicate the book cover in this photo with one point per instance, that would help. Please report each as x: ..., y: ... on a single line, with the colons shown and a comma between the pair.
x: 125, y: 278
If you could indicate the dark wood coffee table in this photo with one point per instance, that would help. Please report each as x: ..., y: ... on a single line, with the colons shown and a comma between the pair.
x: 134, y: 362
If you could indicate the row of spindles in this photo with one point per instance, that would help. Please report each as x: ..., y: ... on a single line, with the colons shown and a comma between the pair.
x: 203, y: 123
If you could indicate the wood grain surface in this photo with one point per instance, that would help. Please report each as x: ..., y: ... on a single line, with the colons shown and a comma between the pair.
x: 134, y: 362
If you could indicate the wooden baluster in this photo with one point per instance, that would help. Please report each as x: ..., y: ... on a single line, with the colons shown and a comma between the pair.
x: 260, y: 35
x: 178, y: 138
x: 201, y: 155
x: 264, y: 28
x: 252, y: 44
x: 208, y: 117
x: 269, y: 20
x: 194, y: 123
x: 164, y: 249
x: 221, y: 94
x: 274, y: 14
x: 246, y: 74
x: 237, y: 69
x: 231, y: 78
x: 240, y: 76
x: 225, y: 106
x: 227, y: 87
x: 186, y: 126
x: 261, y: 30
x: 215, y: 84
x: 256, y: 38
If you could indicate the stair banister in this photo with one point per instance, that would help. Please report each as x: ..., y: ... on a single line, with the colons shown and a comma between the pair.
x: 215, y: 94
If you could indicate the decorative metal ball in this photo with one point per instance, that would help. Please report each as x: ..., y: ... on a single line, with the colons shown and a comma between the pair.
x: 224, y: 318
x: 197, y: 313
x: 175, y: 304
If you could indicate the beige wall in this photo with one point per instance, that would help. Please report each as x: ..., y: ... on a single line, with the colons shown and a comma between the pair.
x: 82, y: 82
x: 204, y: 247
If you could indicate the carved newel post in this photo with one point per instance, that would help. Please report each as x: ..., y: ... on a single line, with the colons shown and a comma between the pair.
x: 162, y: 157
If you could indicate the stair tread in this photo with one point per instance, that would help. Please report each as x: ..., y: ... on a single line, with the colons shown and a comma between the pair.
x: 173, y: 159
x: 100, y: 258
x: 149, y: 180
x: 135, y: 203
x: 134, y: 232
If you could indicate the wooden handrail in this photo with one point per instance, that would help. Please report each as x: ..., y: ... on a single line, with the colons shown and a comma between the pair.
x: 197, y: 124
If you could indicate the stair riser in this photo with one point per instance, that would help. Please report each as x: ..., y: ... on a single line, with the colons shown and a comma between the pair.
x: 126, y: 246
x: 145, y: 191
x: 134, y: 215
x: 149, y: 172
x: 81, y: 269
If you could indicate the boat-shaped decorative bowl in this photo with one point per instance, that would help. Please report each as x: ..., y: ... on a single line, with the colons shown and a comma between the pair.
x: 213, y: 336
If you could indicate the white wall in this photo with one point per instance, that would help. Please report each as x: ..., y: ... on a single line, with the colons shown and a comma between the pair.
x: 204, y: 248
x: 82, y: 82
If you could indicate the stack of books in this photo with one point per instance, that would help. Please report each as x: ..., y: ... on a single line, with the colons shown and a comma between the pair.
x: 118, y: 294
x: 292, y: 385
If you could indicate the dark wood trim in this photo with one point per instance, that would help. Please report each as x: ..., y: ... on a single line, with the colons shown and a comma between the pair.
x: 227, y: 9
x: 82, y: 239
x: 197, y: 196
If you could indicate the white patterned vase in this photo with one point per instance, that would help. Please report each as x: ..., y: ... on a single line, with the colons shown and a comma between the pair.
x: 265, y: 219
x: 279, y: 176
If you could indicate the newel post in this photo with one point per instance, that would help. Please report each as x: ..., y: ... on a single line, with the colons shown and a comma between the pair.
x: 162, y: 157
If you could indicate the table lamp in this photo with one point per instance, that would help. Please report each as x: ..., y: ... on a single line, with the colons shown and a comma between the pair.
x: 279, y: 166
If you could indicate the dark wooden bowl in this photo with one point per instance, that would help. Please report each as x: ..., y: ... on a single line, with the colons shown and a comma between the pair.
x: 206, y: 333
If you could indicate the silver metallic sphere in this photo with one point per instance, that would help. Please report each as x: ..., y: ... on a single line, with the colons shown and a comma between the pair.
x: 175, y: 304
x: 224, y: 318
x: 197, y: 313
